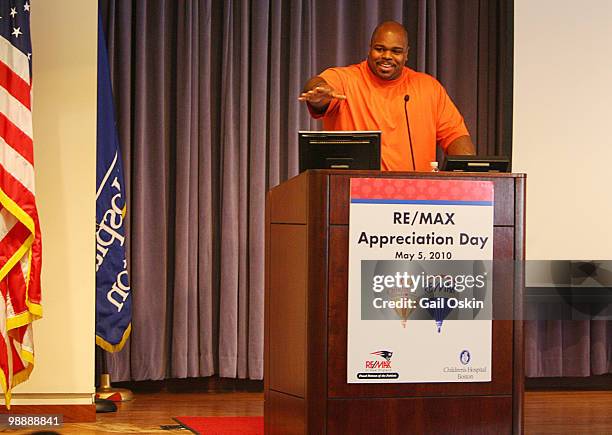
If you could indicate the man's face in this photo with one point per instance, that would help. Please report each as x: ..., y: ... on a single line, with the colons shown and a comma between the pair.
x: 388, y: 54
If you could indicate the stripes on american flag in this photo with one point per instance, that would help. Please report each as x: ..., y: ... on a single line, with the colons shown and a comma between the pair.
x: 20, y: 244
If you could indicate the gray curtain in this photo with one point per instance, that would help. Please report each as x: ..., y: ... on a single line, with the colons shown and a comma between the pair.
x: 206, y: 98
x: 568, y: 348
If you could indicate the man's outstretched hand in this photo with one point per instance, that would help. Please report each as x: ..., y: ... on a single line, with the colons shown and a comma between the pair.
x: 321, y: 95
x: 318, y: 94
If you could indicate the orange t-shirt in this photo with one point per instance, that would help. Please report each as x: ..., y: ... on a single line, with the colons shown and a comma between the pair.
x: 376, y: 104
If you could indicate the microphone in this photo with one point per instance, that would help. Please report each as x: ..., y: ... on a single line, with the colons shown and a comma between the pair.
x: 406, y: 98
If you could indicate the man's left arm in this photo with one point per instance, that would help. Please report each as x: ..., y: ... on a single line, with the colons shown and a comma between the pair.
x: 451, y: 132
x: 462, y: 146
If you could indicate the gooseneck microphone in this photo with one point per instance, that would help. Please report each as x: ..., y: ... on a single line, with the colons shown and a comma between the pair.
x: 406, y: 98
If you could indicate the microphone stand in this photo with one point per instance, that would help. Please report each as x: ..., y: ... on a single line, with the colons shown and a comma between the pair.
x: 406, y: 98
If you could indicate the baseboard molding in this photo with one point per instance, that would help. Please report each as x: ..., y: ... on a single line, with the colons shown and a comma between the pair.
x: 211, y: 384
x: 593, y: 383
x: 73, y: 407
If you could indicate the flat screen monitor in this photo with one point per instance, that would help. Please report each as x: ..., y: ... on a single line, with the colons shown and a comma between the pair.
x: 476, y: 164
x: 339, y: 150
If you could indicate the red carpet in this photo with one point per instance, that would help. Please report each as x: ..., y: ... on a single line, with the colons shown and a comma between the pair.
x: 223, y: 425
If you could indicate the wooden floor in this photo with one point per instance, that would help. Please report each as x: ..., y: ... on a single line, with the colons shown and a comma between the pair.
x: 147, y: 412
x: 545, y: 412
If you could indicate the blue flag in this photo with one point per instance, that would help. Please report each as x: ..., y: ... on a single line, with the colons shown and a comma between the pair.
x: 113, y: 293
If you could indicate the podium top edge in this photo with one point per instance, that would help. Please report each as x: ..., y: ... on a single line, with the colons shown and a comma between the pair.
x: 411, y: 174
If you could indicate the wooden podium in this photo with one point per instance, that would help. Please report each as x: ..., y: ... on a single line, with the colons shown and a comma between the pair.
x: 306, y: 322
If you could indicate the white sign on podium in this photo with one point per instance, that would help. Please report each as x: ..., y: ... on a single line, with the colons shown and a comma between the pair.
x: 420, y: 272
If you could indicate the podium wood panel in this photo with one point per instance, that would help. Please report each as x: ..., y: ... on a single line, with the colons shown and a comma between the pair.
x: 288, y: 246
x: 305, y: 345
x: 436, y: 416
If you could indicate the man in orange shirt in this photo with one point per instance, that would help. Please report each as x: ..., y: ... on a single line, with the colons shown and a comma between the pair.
x: 379, y: 93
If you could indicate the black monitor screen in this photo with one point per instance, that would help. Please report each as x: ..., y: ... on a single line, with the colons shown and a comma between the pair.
x: 339, y: 150
x: 476, y: 164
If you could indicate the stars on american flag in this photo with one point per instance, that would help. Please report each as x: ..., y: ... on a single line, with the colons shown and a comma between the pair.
x: 26, y: 8
x: 15, y: 26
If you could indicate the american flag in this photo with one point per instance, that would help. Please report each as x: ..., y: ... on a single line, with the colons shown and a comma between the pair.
x: 20, y: 244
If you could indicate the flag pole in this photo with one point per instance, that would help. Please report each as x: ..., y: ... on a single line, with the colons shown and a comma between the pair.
x: 105, y: 390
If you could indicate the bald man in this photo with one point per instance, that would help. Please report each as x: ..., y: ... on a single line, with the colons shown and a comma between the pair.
x: 379, y: 93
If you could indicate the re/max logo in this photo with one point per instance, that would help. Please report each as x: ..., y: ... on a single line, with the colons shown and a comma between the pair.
x: 378, y: 364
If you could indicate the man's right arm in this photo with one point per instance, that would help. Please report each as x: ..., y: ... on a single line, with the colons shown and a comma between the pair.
x: 318, y: 94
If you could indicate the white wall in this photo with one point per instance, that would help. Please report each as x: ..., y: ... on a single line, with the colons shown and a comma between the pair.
x: 64, y: 38
x: 562, y: 120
